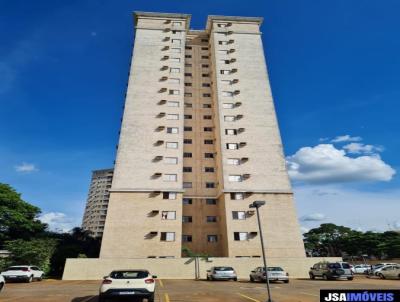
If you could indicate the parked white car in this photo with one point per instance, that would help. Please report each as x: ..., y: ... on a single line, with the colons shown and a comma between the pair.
x: 26, y: 273
x: 2, y: 282
x: 275, y: 273
x: 128, y: 283
x: 360, y: 268
x: 376, y: 269
x: 390, y: 272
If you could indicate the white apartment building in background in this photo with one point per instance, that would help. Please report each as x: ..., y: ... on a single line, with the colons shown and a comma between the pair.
x: 94, y: 216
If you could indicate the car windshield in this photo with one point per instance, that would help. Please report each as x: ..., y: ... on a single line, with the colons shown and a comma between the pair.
x: 345, y: 265
x: 17, y: 268
x: 223, y: 268
x: 275, y: 269
x: 129, y: 274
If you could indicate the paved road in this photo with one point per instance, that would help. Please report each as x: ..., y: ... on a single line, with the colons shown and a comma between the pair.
x: 190, y: 290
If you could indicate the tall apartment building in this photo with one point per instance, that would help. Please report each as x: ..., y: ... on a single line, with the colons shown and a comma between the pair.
x: 199, y: 142
x: 95, y: 213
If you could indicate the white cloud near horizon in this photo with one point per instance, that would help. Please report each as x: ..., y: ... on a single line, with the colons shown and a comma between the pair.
x: 26, y: 168
x: 346, y: 138
x: 324, y: 164
x: 58, y: 222
x: 359, y: 148
x: 313, y: 217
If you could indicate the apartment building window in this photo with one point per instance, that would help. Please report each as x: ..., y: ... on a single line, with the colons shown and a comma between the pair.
x: 187, y: 185
x: 204, y: 40
x: 188, y: 84
x: 172, y: 104
x: 204, y: 48
x: 228, y: 105
x: 175, y: 60
x: 230, y: 131
x: 204, y: 65
x: 188, y: 116
x: 171, y: 160
x: 232, y: 146
x: 174, y: 92
x: 188, y: 74
x: 188, y: 65
x: 176, y: 41
x: 172, y: 116
x: 240, y: 236
x: 170, y: 177
x: 186, y: 238
x: 210, y: 185
x: 188, y: 105
x: 176, y: 50
x: 207, y: 105
x: 237, y: 196
x: 209, y: 155
x: 169, y: 195
x: 188, y: 56
x: 206, y: 84
x: 173, y: 130
x: 187, y: 141
x: 223, y: 42
x: 208, y: 142
x: 221, y: 25
x: 225, y: 71
x: 226, y: 82
x: 176, y: 23
x: 209, y: 169
x: 204, y: 57
x: 187, y: 201
x: 207, y: 129
x: 223, y: 51
x: 229, y: 118
x: 167, y: 236
x: 187, y: 128
x: 187, y: 154
x: 188, y: 94
x: 227, y: 93
x: 207, y: 117
x: 187, y: 169
x: 174, y: 81
x: 212, y: 238
x: 238, y: 215
x: 172, y: 145
x: 168, y: 215
x: 188, y: 47
x: 174, y: 70
x: 235, y: 178
x: 187, y: 219
x: 205, y: 75
x: 233, y: 161
x: 211, y: 219
x: 224, y: 61
x: 206, y: 95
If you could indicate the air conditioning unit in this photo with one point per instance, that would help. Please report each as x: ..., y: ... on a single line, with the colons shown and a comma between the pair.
x: 166, y: 39
x: 160, y: 128
x: 163, y: 90
x: 161, y: 114
x: 162, y: 102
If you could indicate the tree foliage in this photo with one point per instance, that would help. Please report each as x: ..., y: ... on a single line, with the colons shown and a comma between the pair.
x: 18, y: 219
x: 333, y: 240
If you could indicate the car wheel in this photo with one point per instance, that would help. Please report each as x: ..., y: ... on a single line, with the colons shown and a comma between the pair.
x: 381, y: 276
x: 325, y: 277
x: 30, y: 279
x: 350, y: 278
x: 40, y: 278
x: 1, y: 286
x: 234, y: 279
x: 286, y: 281
x: 312, y: 277
x: 151, y: 298
x: 251, y: 279
x: 208, y: 278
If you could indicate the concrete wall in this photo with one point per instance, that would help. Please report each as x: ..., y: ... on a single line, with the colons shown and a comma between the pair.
x: 183, y: 268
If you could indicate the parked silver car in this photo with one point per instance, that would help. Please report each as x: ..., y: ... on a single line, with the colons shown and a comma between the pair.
x: 275, y: 273
x: 221, y: 273
x: 390, y: 272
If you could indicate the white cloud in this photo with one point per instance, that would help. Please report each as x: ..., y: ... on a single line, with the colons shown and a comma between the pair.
x: 346, y: 138
x: 26, y: 168
x: 358, y: 148
x: 58, y: 222
x: 304, y: 229
x: 313, y: 217
x: 326, y: 164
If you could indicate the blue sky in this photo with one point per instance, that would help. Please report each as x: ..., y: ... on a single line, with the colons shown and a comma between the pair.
x: 334, y: 70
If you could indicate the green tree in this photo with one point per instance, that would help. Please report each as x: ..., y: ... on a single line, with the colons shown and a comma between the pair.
x: 18, y: 219
x: 31, y: 252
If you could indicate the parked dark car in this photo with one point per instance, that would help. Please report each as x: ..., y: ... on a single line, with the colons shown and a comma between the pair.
x: 331, y: 270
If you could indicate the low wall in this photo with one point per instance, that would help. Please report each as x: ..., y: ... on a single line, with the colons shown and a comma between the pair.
x: 182, y: 268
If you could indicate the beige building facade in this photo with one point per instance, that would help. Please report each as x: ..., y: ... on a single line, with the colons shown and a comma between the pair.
x: 95, y: 213
x: 199, y: 142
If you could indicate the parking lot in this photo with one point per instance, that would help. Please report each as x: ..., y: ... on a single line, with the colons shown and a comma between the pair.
x: 191, y: 290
